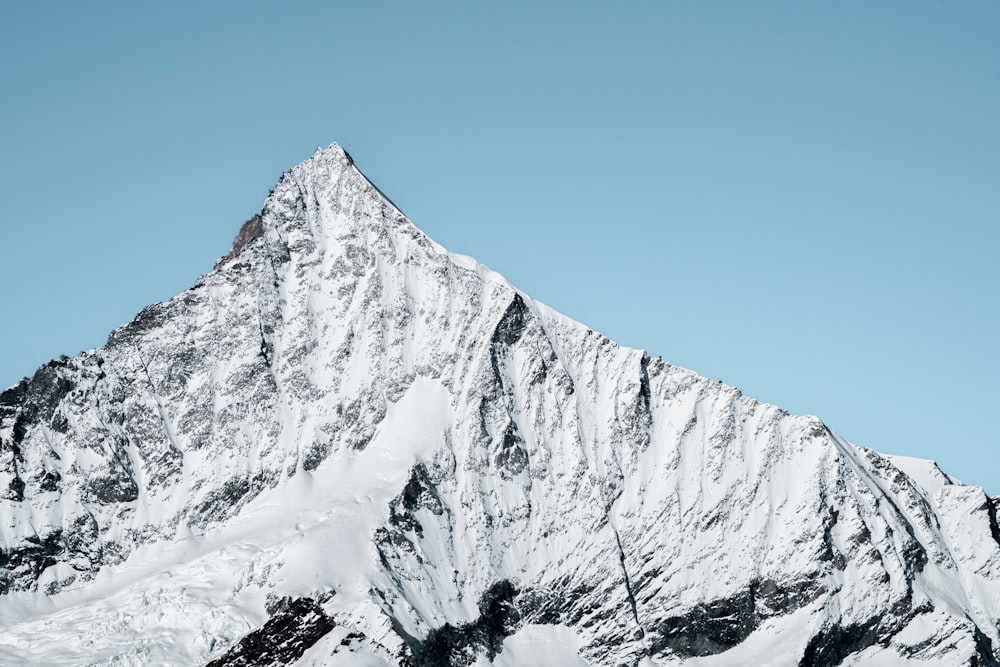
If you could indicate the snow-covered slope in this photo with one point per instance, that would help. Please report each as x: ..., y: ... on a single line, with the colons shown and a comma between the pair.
x: 347, y: 446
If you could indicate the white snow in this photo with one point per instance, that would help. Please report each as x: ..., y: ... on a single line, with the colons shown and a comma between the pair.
x: 541, y: 646
x: 924, y: 472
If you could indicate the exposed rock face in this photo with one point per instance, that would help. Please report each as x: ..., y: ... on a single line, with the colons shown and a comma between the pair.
x: 286, y: 636
x: 342, y: 406
x: 250, y: 230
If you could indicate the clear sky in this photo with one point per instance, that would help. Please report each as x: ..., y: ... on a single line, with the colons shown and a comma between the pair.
x: 799, y: 198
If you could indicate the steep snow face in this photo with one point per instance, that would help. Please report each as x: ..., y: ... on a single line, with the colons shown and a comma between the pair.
x: 345, y: 445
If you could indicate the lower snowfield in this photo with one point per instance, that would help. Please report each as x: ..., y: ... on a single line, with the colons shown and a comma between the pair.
x: 181, y: 603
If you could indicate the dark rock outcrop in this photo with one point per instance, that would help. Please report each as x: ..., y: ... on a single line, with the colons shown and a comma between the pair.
x: 282, y: 640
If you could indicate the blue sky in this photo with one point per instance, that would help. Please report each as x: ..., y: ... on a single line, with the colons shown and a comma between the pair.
x: 801, y: 199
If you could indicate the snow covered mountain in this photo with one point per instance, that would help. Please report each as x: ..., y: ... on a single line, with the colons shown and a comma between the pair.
x: 347, y: 446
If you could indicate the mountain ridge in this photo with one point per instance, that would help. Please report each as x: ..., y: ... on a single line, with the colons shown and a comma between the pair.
x: 359, y: 422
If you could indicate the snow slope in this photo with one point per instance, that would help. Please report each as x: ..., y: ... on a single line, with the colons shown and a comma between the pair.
x: 347, y: 446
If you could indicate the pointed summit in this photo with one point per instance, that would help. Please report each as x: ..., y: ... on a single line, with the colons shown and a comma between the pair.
x: 332, y: 161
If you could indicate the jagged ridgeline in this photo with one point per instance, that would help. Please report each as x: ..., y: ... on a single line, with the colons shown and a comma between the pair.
x: 346, y: 446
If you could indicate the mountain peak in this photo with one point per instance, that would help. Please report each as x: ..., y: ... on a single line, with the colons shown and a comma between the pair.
x: 334, y: 152
x: 370, y: 450
x: 329, y: 161
x: 314, y: 207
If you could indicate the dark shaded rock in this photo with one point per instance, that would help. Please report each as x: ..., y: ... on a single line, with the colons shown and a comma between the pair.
x: 512, y: 324
x: 115, y: 487
x: 418, y: 493
x: 228, y: 499
x: 628, y: 583
x: 991, y: 511
x: 511, y: 457
x: 832, y: 645
x: 566, y: 602
x: 21, y: 567
x: 251, y: 229
x: 830, y: 553
x: 544, y: 607
x: 352, y: 639
x: 283, y: 639
x: 33, y: 401
x: 508, y: 331
x: 359, y: 417
x: 15, y: 396
x: 404, y: 527
x: 773, y: 599
x: 48, y: 388
x: 707, y: 629
x: 315, y: 454
x: 459, y: 646
x: 59, y: 423
x: 645, y: 394
x: 914, y: 553
x: 421, y: 492
x: 15, y: 490
x: 82, y: 537
x: 149, y: 318
x: 719, y: 625
x: 20, y: 432
x: 985, y: 655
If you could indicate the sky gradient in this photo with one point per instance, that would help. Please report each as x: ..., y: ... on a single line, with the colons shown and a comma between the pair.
x: 801, y: 199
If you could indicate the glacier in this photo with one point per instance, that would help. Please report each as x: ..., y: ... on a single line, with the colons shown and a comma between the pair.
x: 345, y: 445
